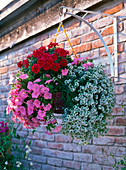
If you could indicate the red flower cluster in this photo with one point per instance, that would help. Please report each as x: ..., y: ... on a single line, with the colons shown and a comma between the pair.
x: 24, y: 62
x: 51, y: 59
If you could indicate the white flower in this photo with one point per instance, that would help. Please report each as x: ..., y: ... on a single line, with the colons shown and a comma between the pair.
x: 29, y: 159
x: 27, y: 147
x: 18, y: 165
x: 5, y: 168
x: 6, y: 163
x: 31, y: 164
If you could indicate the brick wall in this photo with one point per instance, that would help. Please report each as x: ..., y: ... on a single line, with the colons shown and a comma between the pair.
x: 59, y: 152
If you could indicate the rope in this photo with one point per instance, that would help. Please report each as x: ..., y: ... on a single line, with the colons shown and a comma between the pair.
x: 61, y: 24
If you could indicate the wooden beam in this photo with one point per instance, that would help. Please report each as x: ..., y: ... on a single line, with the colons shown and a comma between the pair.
x: 42, y: 22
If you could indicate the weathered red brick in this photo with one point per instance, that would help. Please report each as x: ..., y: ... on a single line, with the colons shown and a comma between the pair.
x: 120, y: 121
x: 40, y: 144
x: 65, y: 155
x: 101, y: 159
x: 92, y: 149
x: 87, y: 166
x: 62, y: 138
x: 103, y: 22
x: 49, y: 152
x: 82, y: 48
x: 74, y: 42
x: 36, y: 151
x: 121, y: 140
x: 120, y: 47
x: 113, y: 10
x: 44, y: 136
x: 72, y: 24
x: 120, y: 99
x: 119, y: 89
x: 38, y: 159
x: 89, y: 37
x: 34, y: 46
x: 82, y: 157
x: 116, y: 131
x: 98, y: 43
x: 12, y: 67
x: 103, y: 50
x: 118, y: 111
x: 71, y: 164
x: 92, y: 17
x: 107, y: 168
x: 55, y: 145
x: 47, y: 41
x: 104, y: 140
x: 108, y: 31
x: 3, y: 70
x: 114, y: 150
x: 54, y: 161
x: 61, y: 45
x: 71, y: 147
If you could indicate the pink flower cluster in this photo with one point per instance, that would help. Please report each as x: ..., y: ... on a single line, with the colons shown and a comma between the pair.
x: 3, y: 127
x: 28, y: 105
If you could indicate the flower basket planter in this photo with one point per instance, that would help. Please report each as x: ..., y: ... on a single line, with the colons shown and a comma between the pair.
x: 58, y: 102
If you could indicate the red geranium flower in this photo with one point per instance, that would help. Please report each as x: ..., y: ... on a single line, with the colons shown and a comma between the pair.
x: 46, y: 67
x: 41, y: 62
x: 29, y: 56
x: 35, y: 68
x: 61, y: 52
x: 26, y: 63
x: 20, y: 64
x: 54, y: 56
x: 50, y: 62
x: 51, y: 45
x: 45, y: 55
x: 63, y: 62
x: 56, y: 67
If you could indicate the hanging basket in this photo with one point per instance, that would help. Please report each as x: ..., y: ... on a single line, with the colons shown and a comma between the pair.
x: 58, y: 102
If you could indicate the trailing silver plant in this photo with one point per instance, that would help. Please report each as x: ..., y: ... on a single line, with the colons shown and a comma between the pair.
x: 91, y: 99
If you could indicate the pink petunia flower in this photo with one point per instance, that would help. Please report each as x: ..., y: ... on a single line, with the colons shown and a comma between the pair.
x: 41, y: 114
x: 58, y: 128
x: 65, y: 72
x: 48, y: 132
x: 48, y: 76
x: 48, y: 81
x: 18, y: 101
x: 36, y: 103
x: 30, y: 110
x: 18, y: 86
x: 37, y: 80
x: 47, y: 96
x: 85, y: 65
x: 47, y: 107
x: 36, y: 88
x: 90, y: 64
x: 30, y: 103
x: 30, y: 85
x: 86, y: 58
x: 23, y: 76
x: 44, y: 90
x: 23, y: 93
x: 21, y: 110
x: 35, y: 94
x: 14, y: 119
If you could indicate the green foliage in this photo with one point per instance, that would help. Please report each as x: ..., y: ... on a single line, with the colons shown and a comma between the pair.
x: 120, y: 164
x: 11, y: 154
